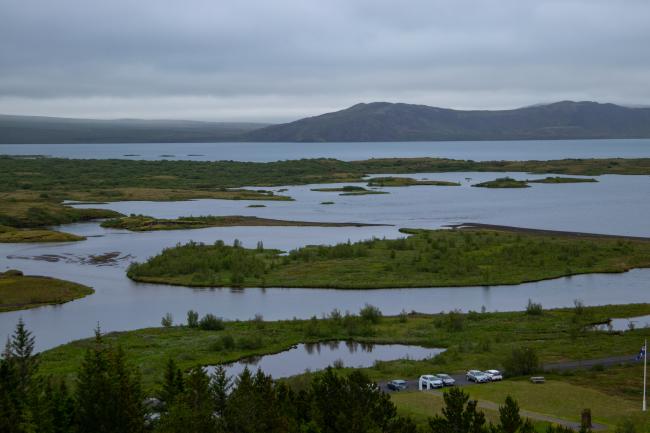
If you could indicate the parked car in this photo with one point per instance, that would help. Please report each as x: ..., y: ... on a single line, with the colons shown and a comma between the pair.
x: 397, y: 385
x: 428, y: 381
x: 495, y: 375
x: 477, y: 376
x: 447, y: 380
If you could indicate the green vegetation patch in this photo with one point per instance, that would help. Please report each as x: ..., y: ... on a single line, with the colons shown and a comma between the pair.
x: 472, y: 340
x: 407, y: 181
x: 350, y: 190
x: 428, y: 258
x: 10, y: 235
x: 503, y: 182
x: 559, y: 179
x: 147, y: 223
x: 19, y: 292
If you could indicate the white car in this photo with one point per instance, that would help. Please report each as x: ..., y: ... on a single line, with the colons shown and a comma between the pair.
x: 477, y: 376
x: 495, y: 375
x: 430, y: 381
x: 447, y: 380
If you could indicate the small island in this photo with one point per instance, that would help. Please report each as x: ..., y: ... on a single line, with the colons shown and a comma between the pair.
x: 350, y: 190
x: 256, y: 205
x: 142, y: 223
x: 427, y: 258
x: 558, y: 179
x: 407, y: 181
x: 19, y: 292
x: 508, y: 182
x: 327, y: 202
x: 503, y: 182
x: 11, y: 235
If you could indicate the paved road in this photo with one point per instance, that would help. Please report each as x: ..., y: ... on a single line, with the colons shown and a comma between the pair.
x: 558, y: 366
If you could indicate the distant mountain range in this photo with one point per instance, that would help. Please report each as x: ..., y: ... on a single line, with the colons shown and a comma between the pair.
x: 36, y: 129
x: 377, y: 121
x: 383, y: 121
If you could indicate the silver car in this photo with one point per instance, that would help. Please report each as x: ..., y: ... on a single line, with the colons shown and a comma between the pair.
x: 447, y: 380
x: 428, y: 381
x: 495, y: 375
x: 477, y: 376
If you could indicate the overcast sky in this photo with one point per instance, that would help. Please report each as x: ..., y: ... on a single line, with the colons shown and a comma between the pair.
x: 278, y: 60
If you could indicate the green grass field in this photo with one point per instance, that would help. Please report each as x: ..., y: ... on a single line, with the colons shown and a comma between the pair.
x: 19, y: 292
x: 473, y: 340
x: 428, y: 258
x: 146, y: 223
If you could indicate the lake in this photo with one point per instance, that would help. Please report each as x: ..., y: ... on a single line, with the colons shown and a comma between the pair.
x: 318, y: 356
x: 614, y: 205
x: 263, y: 152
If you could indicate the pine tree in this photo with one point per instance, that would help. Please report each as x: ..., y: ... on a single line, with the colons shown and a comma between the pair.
x: 191, y: 411
x: 173, y: 383
x: 460, y: 415
x: 108, y: 395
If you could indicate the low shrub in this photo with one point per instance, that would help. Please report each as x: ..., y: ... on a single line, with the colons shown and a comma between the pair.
x: 210, y: 322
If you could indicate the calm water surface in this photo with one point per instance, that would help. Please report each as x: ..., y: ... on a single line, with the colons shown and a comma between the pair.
x: 614, y: 205
x: 318, y: 356
x: 475, y: 150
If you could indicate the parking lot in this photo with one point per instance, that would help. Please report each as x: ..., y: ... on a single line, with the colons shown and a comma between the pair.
x: 460, y: 379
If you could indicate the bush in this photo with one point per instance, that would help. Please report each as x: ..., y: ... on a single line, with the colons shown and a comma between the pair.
x: 522, y: 361
x: 455, y: 321
x: 578, y: 307
x: 210, y: 322
x: 192, y: 319
x: 228, y: 342
x: 167, y: 320
x: 258, y: 320
x: 403, y: 316
x: 534, y: 309
x: 626, y: 426
x: 370, y: 313
x: 250, y: 343
x: 12, y: 273
x: 312, y: 328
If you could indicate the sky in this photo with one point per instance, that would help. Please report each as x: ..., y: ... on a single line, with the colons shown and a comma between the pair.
x: 279, y: 60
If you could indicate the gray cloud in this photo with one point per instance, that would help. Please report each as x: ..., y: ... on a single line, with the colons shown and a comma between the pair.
x: 282, y: 59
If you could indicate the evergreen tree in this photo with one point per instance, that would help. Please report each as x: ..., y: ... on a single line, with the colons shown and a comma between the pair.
x: 459, y: 415
x: 19, y: 352
x: 192, y: 410
x: 108, y: 395
x: 173, y: 383
x: 220, y: 386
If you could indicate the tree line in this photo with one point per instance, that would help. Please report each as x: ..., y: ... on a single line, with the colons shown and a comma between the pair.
x: 107, y: 397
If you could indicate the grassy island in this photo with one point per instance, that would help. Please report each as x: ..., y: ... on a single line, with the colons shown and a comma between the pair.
x: 428, y: 258
x: 349, y: 190
x: 19, y: 292
x: 407, y: 181
x: 503, y: 182
x: 10, y: 235
x: 559, y: 179
x: 146, y: 223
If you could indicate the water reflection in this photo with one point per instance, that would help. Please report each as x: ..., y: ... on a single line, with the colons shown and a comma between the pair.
x: 624, y: 324
x: 317, y: 356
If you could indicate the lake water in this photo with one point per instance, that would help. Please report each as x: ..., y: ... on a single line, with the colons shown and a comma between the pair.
x: 475, y: 150
x: 614, y: 205
x: 318, y: 356
x: 625, y: 324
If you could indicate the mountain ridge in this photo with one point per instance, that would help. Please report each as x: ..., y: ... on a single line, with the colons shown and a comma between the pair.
x: 362, y: 122
x: 385, y: 121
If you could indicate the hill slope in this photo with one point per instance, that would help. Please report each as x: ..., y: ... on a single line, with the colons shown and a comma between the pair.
x: 383, y: 121
x: 34, y: 129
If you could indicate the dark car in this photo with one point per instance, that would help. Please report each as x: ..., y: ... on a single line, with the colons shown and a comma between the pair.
x: 397, y: 385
